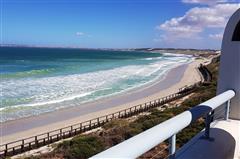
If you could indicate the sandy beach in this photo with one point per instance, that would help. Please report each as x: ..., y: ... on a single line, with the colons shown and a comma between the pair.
x: 176, y: 78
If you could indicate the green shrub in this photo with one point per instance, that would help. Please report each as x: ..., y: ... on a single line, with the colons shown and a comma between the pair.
x: 81, y: 147
x: 115, y: 123
x: 186, y: 134
x: 117, y: 131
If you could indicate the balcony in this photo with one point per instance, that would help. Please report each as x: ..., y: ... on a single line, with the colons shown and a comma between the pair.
x: 214, y: 134
x: 223, y: 143
x: 221, y: 137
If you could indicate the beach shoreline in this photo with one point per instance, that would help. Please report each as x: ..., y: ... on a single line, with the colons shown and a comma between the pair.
x: 176, y: 78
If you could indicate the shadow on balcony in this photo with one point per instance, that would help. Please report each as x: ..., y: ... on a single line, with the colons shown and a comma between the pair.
x: 221, y: 145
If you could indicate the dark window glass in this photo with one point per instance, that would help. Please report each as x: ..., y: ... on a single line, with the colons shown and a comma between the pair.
x: 236, y: 33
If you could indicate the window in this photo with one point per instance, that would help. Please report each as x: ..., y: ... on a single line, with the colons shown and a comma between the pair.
x: 236, y: 33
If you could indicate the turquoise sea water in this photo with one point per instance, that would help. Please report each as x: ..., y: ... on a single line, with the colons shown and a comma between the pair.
x: 38, y: 80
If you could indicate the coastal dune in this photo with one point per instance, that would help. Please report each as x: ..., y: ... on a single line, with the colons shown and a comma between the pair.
x: 176, y: 78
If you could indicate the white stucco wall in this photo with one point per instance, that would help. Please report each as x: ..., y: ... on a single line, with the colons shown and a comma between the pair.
x: 229, y: 75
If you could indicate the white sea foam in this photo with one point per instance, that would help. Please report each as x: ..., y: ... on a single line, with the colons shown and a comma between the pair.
x: 52, y: 101
x: 49, y: 91
x: 177, y: 55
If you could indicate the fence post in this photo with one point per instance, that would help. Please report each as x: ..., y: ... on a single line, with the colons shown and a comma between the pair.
x: 13, y: 150
x: 98, y: 122
x: 6, y: 150
x: 84, y: 128
x: 48, y: 136
x: 36, y: 141
x: 227, y: 109
x: 63, y: 135
x: 172, y: 146
x: 22, y: 146
x: 60, y: 133
x: 80, y: 127
x: 90, y: 124
x: 71, y: 131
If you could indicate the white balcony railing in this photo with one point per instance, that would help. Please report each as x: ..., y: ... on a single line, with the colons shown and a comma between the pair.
x: 143, y: 142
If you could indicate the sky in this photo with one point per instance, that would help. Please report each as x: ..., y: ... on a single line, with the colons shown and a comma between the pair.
x: 116, y: 23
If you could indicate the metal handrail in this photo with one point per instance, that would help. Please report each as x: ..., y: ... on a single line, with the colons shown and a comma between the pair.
x: 143, y: 142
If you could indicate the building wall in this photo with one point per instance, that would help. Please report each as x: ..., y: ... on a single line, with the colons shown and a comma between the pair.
x: 229, y: 76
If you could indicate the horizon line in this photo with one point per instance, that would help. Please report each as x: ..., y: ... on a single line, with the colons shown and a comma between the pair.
x: 102, y: 48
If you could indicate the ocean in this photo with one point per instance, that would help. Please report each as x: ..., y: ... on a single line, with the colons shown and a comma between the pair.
x: 39, y: 80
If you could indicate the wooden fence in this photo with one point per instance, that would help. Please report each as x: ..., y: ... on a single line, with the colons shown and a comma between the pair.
x: 26, y: 144
x: 207, y: 76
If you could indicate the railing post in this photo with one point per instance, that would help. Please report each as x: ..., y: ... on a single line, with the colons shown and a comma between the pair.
x: 29, y: 145
x: 60, y: 133
x: 36, y: 141
x: 208, y: 121
x: 22, y: 146
x: 172, y: 146
x: 48, y: 136
x: 80, y: 127
x: 227, y: 109
x: 13, y: 149
x: 6, y: 150
x: 98, y: 121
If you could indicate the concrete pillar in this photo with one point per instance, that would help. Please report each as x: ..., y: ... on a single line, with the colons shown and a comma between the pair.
x: 229, y: 75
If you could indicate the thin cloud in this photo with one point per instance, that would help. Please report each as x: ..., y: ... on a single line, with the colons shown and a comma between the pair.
x: 218, y: 36
x: 209, y: 2
x: 80, y: 33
